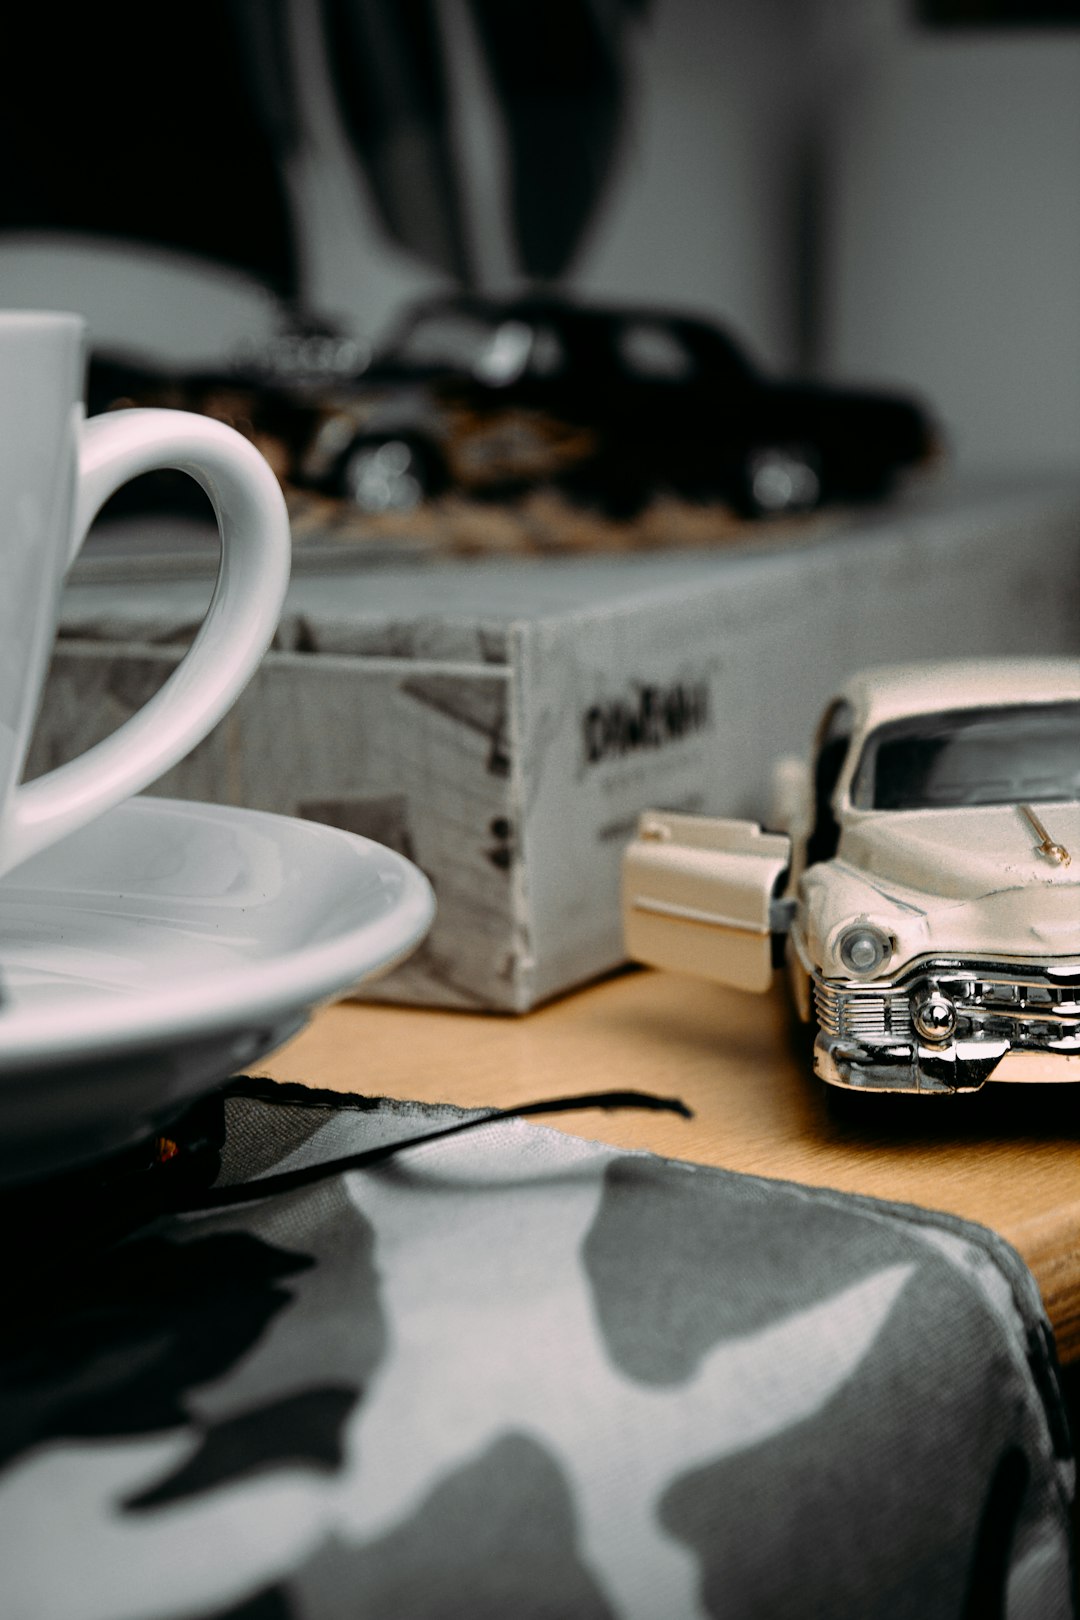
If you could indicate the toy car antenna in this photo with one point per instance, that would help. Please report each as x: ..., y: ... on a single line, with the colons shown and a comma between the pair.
x: 1046, y: 846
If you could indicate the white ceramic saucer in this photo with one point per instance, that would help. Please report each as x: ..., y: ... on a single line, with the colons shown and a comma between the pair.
x: 160, y: 949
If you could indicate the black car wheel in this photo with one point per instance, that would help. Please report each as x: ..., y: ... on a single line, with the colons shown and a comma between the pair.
x: 387, y: 475
x: 780, y: 478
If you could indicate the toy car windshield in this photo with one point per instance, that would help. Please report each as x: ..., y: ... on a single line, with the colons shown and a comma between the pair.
x: 989, y: 756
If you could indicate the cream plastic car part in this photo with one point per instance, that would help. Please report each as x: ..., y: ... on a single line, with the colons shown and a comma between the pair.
x: 698, y: 896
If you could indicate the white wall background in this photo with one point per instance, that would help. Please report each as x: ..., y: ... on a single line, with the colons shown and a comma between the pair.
x: 951, y: 234
x: 703, y: 211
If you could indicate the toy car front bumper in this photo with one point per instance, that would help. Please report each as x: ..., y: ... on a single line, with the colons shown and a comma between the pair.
x: 860, y: 1066
x: 869, y: 1038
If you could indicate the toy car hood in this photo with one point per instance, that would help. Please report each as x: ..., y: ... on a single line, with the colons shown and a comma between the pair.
x: 964, y: 853
x: 949, y: 882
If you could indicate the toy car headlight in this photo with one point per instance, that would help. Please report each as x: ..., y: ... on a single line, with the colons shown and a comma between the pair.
x: 864, y: 948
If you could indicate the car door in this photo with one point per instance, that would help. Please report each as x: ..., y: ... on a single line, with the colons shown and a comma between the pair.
x: 699, y: 896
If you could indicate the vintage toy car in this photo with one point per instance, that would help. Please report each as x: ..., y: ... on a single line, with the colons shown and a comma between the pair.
x: 495, y: 397
x: 923, y: 884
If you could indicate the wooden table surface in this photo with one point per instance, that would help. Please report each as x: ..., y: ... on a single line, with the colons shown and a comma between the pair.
x: 1008, y: 1157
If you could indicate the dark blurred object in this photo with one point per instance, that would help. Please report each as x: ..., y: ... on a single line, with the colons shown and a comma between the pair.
x: 390, y: 75
x: 492, y: 398
x: 188, y: 146
x: 175, y: 138
x: 997, y: 13
x: 64, y: 1216
x: 559, y: 84
x: 557, y: 71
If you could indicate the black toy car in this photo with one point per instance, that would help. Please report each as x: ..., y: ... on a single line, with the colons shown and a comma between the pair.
x: 610, y: 406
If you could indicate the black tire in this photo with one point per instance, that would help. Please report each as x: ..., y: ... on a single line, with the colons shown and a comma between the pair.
x: 392, y: 473
x: 779, y: 480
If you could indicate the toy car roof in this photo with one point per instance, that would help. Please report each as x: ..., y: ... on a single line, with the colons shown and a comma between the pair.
x: 896, y: 690
x: 534, y: 306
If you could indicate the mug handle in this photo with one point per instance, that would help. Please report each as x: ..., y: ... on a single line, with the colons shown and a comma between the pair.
x: 239, y: 624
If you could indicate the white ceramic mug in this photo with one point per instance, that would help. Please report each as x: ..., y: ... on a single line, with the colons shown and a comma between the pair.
x: 56, y: 472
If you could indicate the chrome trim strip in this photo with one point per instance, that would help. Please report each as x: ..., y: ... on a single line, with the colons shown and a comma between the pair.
x: 1056, y: 1013
x: 1058, y: 974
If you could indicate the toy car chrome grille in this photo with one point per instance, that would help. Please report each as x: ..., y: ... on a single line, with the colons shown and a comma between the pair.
x: 865, y: 1015
x: 1026, y: 999
x: 1005, y: 1004
x: 993, y: 1001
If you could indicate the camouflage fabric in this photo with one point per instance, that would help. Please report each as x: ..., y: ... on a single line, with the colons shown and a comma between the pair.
x: 515, y: 1374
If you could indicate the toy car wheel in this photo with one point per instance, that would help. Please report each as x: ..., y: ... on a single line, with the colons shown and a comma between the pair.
x: 778, y: 479
x: 386, y: 475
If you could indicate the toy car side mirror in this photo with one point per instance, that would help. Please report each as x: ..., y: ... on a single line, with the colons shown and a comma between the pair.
x: 700, y: 896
